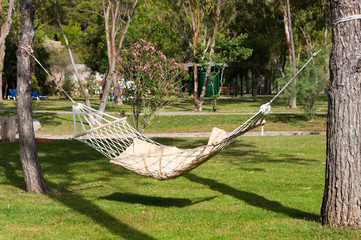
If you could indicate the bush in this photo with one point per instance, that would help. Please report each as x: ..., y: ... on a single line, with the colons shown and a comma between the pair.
x: 152, y: 80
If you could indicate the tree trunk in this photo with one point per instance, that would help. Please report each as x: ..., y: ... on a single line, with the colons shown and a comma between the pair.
x: 341, y: 206
x: 195, y: 90
x: 210, y: 63
x: 113, y: 22
x: 83, y: 89
x: 28, y: 155
x: 5, y: 28
x: 2, y: 56
x: 248, y: 80
x: 291, y: 46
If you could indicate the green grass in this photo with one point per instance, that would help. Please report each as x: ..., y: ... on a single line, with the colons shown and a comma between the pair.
x: 257, y: 188
x: 61, y: 123
x: 53, y: 123
x: 239, y: 105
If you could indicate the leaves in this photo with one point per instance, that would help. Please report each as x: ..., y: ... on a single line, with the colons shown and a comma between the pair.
x: 150, y: 79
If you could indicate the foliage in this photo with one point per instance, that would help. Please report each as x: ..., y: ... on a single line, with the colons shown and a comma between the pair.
x: 41, y: 76
x: 93, y: 48
x: 34, y: 84
x: 311, y: 83
x: 231, y: 49
x: 68, y: 85
x: 152, y: 21
x: 10, y: 68
x: 91, y: 84
x: 152, y: 80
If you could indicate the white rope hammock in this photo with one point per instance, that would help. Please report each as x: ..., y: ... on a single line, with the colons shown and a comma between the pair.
x: 125, y: 146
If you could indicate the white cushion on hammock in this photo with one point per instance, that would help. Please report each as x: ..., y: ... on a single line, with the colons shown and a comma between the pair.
x: 160, y: 162
x: 216, y: 135
x: 148, y: 157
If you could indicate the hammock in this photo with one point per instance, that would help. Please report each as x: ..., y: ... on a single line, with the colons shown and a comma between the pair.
x: 125, y: 146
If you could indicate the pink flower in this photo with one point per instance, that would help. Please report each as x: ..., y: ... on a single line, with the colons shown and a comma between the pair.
x: 120, y: 60
x: 150, y: 75
x: 186, y: 68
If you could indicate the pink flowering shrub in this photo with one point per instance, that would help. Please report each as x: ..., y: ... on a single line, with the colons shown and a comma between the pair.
x: 157, y: 79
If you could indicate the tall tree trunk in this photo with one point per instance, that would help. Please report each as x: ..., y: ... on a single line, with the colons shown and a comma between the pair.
x: 195, y: 90
x: 112, y: 18
x: 28, y: 155
x: 341, y: 206
x: 195, y: 28
x: 2, y: 56
x: 83, y: 89
x: 210, y: 63
x: 4, y: 31
x: 291, y: 46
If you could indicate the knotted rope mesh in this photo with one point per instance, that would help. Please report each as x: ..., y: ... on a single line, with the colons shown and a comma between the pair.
x: 125, y: 146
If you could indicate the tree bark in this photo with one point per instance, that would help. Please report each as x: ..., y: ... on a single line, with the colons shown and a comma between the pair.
x: 113, y: 23
x: 5, y: 28
x: 2, y: 56
x: 28, y: 154
x: 287, y: 18
x: 341, y: 206
x: 83, y: 89
x: 210, y: 63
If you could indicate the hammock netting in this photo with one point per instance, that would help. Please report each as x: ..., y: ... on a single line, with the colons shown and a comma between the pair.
x: 125, y: 146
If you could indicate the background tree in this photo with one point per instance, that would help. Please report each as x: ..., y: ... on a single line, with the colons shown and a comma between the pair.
x: 287, y: 18
x: 227, y: 52
x: 84, y: 90
x: 117, y: 16
x: 4, y: 31
x: 198, y: 24
x: 341, y: 206
x: 263, y: 22
x: 152, y: 22
x: 28, y: 154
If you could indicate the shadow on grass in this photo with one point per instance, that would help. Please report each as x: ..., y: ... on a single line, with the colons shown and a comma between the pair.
x: 9, y: 165
x: 153, y: 201
x: 58, y: 162
x: 186, y: 143
x: 52, y: 119
x: 85, y: 207
x: 253, y: 199
x: 257, y: 156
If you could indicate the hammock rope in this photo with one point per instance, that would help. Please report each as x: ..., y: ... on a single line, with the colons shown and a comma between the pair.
x: 125, y: 146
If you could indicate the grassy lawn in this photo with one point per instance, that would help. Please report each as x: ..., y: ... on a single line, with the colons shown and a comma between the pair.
x: 61, y: 123
x: 239, y: 105
x: 53, y: 123
x: 257, y: 188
